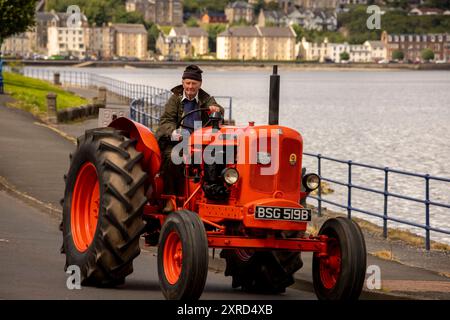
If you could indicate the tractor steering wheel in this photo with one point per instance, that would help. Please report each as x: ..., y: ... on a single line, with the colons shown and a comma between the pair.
x: 179, y: 124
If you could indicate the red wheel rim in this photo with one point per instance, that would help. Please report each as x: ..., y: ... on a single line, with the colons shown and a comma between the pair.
x: 173, y: 257
x: 330, y: 267
x: 85, y: 207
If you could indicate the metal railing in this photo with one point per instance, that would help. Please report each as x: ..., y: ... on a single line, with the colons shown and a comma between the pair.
x: 427, y: 202
x: 145, y: 113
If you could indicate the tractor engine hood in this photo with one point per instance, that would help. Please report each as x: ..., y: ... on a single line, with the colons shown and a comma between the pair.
x: 267, y: 157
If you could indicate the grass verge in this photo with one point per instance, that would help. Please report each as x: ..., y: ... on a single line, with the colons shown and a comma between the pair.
x: 31, y: 94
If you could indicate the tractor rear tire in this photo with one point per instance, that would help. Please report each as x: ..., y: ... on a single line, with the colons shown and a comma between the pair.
x: 183, y: 256
x: 102, y: 207
x: 262, y: 271
x: 340, y: 276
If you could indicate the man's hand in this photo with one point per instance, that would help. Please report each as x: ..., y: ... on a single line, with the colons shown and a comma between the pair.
x: 176, y: 135
x: 214, y: 108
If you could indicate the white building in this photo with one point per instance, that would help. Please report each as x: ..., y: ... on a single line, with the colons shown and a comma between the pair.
x: 370, y: 51
x: 259, y: 43
x: 67, y: 37
x: 377, y: 50
x: 20, y: 45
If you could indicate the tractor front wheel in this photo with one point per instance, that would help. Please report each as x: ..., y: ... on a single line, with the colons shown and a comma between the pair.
x: 340, y: 275
x: 182, y: 256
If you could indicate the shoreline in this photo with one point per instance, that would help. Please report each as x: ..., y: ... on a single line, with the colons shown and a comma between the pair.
x: 237, y: 65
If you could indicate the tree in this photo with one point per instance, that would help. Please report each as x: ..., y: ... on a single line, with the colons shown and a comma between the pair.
x: 196, y: 6
x: 399, y: 4
x: 99, y: 11
x: 16, y: 16
x: 427, y: 54
x: 192, y: 22
x: 344, y: 56
x: 258, y: 6
x: 300, y: 33
x: 152, y: 35
x: 398, y: 55
x: 213, y: 30
x: 443, y: 4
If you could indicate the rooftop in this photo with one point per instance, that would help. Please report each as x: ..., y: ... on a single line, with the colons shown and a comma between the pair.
x: 190, y: 31
x: 129, y: 28
x: 240, y: 5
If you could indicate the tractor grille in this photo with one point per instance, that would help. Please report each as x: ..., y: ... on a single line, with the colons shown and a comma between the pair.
x: 288, y: 174
x: 287, y: 179
x: 260, y: 182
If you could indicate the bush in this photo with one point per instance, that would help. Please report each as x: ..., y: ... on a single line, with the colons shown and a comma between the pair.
x: 427, y: 54
x: 398, y: 55
x: 344, y: 56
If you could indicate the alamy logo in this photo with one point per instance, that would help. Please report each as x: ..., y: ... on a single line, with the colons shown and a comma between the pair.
x: 74, y: 279
x: 74, y: 19
x: 374, y: 21
x: 373, y: 281
x: 256, y: 142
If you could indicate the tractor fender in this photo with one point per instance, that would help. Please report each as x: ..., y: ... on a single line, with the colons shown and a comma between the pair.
x: 146, y: 143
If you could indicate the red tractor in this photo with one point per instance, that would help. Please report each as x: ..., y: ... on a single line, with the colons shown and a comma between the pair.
x: 114, y: 196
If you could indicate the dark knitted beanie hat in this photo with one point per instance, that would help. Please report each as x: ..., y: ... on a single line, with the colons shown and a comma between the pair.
x: 193, y: 72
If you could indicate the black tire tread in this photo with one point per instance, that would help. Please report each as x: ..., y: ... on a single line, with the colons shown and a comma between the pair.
x: 116, y: 243
x: 193, y: 235
x: 353, y: 265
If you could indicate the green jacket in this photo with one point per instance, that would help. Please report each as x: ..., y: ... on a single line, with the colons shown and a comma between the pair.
x: 174, y: 111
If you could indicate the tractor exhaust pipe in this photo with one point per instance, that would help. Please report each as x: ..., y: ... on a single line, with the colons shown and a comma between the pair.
x: 274, y: 97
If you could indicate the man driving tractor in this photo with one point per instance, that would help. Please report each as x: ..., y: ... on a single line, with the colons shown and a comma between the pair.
x: 186, y: 97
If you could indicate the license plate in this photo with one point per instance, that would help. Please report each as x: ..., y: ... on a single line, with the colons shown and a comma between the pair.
x: 282, y: 213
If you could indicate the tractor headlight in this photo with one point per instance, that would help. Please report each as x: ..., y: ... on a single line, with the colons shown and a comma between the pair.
x: 230, y: 175
x: 263, y: 158
x: 311, y: 181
